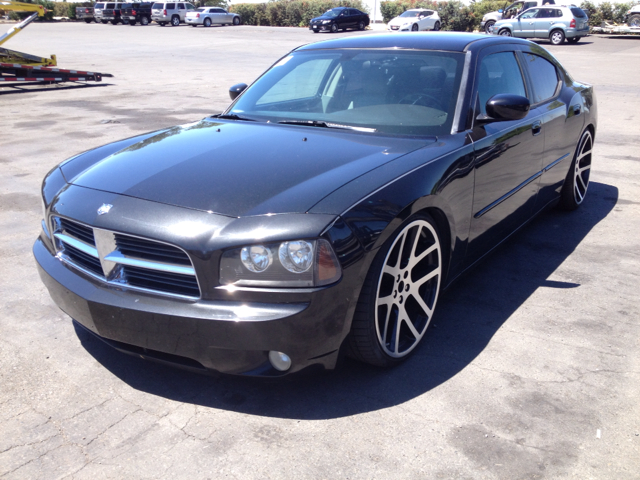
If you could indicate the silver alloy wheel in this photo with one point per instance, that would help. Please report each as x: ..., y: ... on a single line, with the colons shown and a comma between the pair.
x: 175, y: 21
x: 556, y: 37
x: 144, y: 21
x: 414, y: 27
x: 582, y: 168
x: 505, y: 32
x: 408, y: 288
x: 206, y: 22
x: 488, y: 25
x: 236, y: 20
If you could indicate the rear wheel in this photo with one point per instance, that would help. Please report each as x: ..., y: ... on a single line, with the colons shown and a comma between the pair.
x: 556, y: 37
x: 236, y: 20
x: 399, y: 294
x: 505, y: 32
x: 207, y: 22
x: 114, y: 22
x: 87, y: 20
x: 361, y: 25
x: 144, y: 21
x: 175, y: 21
x: 132, y: 22
x: 575, y: 186
x: 436, y: 27
x: 488, y: 25
x: 414, y: 27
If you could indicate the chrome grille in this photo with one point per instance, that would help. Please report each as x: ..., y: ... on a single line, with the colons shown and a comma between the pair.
x: 125, y: 260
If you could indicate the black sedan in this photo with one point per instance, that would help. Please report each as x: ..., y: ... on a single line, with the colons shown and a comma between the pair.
x: 339, y: 18
x: 324, y: 211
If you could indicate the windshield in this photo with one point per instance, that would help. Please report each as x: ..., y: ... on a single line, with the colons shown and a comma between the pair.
x: 399, y: 92
x: 332, y: 13
x: 409, y: 13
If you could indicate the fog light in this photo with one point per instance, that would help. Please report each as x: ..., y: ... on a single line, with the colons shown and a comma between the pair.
x: 279, y: 360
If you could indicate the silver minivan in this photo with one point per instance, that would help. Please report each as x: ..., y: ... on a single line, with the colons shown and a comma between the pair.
x: 555, y: 22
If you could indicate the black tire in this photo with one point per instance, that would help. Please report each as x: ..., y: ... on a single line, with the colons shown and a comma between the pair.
x: 334, y: 28
x: 114, y: 22
x: 556, y: 37
x: 396, y: 303
x: 236, y: 20
x: 361, y: 25
x: 633, y: 21
x: 87, y: 20
x: 162, y: 24
x: 144, y: 21
x: 415, y: 27
x: 104, y: 21
x: 576, y: 184
x: 206, y: 22
x: 505, y: 32
x: 316, y: 31
x: 488, y: 25
x: 436, y: 27
x: 132, y: 22
x: 573, y: 40
x: 175, y: 21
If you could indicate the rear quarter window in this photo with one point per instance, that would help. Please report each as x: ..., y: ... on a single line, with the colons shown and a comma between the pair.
x: 577, y: 12
x: 171, y: 6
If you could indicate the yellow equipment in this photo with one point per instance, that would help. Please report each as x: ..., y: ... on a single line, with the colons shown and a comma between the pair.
x: 12, y: 56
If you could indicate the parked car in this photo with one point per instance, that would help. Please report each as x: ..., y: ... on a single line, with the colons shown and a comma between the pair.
x: 97, y: 12
x: 415, y: 20
x: 85, y: 13
x: 339, y: 18
x: 555, y: 22
x: 324, y: 211
x: 208, y: 16
x: 170, y: 12
x: 489, y: 19
x: 133, y: 13
x: 111, y: 13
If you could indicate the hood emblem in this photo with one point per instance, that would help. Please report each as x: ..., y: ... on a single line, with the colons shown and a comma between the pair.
x: 104, y: 209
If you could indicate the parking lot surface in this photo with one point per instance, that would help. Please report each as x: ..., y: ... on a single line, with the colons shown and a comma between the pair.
x: 531, y: 369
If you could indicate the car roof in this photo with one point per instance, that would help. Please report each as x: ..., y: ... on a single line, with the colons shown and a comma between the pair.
x: 449, y: 41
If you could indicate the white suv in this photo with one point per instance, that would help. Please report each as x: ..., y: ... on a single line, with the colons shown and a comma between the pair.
x: 510, y: 12
x: 170, y: 12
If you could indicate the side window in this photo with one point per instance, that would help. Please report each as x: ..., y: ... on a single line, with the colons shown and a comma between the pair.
x: 499, y: 73
x: 533, y: 13
x: 171, y: 6
x: 558, y: 12
x: 181, y: 6
x: 544, y: 77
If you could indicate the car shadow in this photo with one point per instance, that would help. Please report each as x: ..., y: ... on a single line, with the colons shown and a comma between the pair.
x: 468, y: 316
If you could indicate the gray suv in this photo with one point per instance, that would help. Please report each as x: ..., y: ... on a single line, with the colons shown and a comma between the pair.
x: 170, y: 12
x: 555, y: 22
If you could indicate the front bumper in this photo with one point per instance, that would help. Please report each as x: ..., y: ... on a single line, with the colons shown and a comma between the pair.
x: 320, y: 27
x: 233, y: 336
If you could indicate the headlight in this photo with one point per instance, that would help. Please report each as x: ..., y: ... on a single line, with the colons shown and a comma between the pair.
x: 299, y: 263
x: 326, y: 21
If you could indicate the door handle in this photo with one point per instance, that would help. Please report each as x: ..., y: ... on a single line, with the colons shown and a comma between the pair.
x: 536, y: 128
x: 577, y: 109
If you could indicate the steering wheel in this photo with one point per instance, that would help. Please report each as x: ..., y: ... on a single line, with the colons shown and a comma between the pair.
x: 423, y: 99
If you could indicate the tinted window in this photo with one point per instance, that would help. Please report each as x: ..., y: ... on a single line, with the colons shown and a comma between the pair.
x: 577, y: 12
x: 399, y: 92
x: 181, y: 6
x: 544, y: 77
x: 111, y: 5
x: 171, y: 6
x: 99, y: 5
x: 158, y: 5
x: 499, y: 73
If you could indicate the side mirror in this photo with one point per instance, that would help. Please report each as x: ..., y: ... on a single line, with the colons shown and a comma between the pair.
x: 236, y: 90
x: 506, y: 106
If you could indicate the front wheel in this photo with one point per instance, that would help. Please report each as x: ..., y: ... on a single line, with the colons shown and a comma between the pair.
x: 414, y: 27
x: 236, y: 20
x: 436, y: 27
x: 488, y: 25
x: 634, y: 21
x: 334, y: 28
x: 399, y: 294
x: 575, y: 186
x: 556, y: 37
x: 505, y: 32
x: 175, y: 21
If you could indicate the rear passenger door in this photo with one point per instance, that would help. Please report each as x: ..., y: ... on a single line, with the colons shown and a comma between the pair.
x: 545, y: 21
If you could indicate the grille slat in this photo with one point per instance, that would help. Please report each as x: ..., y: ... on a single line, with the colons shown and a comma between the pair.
x: 149, y: 250
x: 81, y: 232
x: 83, y: 260
x: 182, y: 284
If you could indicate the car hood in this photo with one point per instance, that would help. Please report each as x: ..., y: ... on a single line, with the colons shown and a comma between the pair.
x: 236, y: 168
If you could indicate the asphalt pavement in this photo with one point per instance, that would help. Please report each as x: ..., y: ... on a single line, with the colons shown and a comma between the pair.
x: 531, y: 369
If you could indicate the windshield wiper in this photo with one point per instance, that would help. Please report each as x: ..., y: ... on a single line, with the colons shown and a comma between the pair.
x: 232, y: 116
x: 323, y: 124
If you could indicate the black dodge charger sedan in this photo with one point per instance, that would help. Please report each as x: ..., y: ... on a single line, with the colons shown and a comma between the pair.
x: 339, y: 18
x: 323, y: 212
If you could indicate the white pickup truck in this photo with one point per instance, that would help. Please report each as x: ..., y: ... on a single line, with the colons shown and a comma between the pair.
x: 511, y: 11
